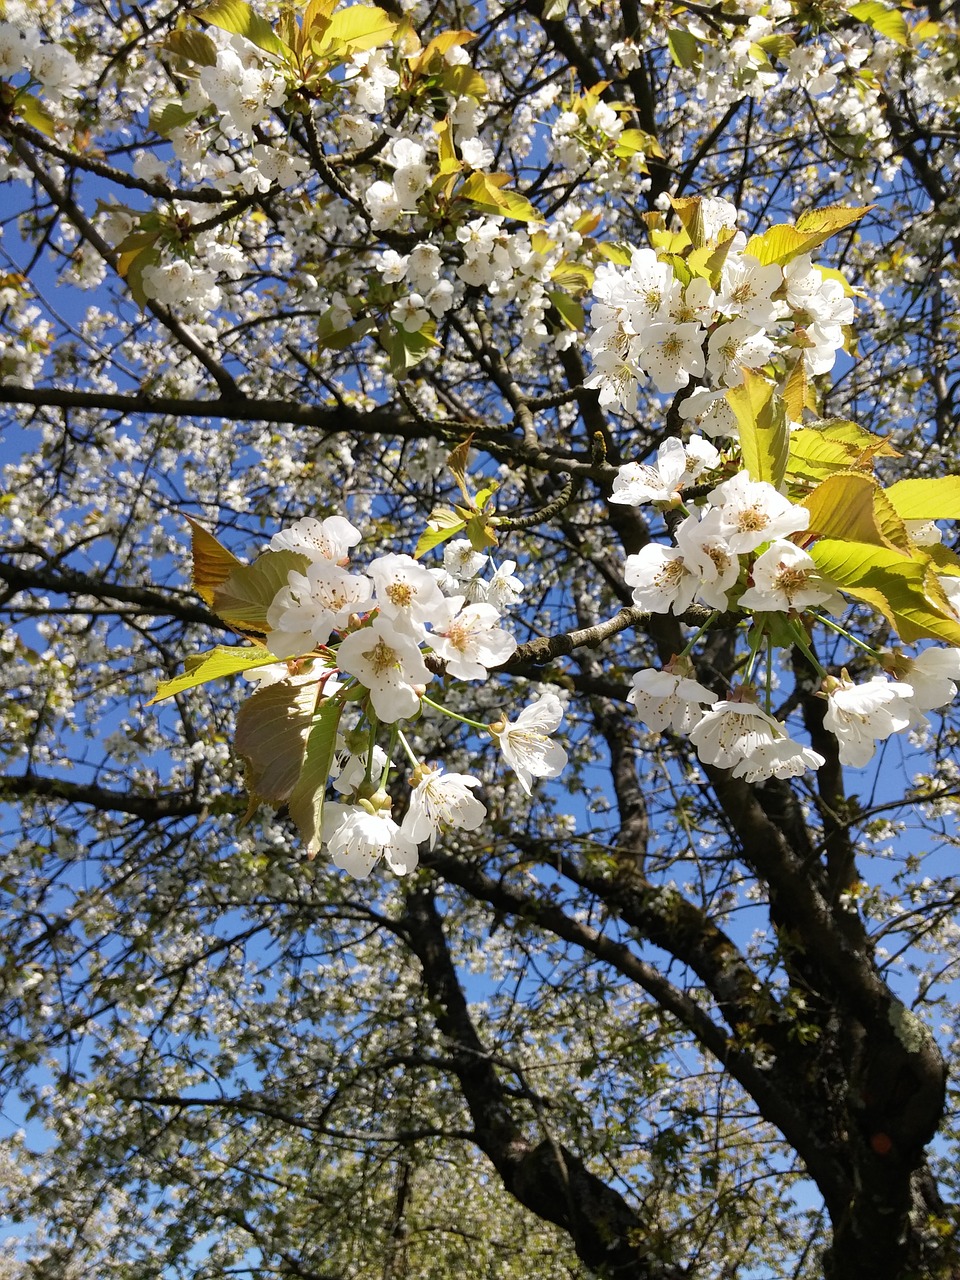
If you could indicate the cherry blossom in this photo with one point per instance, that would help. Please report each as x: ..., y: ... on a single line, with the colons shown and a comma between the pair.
x: 525, y: 744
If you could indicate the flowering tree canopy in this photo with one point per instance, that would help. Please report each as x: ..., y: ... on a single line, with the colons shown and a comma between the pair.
x: 482, y: 629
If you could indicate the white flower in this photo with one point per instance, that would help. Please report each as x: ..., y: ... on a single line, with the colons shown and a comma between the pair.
x: 383, y: 205
x: 861, y: 715
x: 305, y: 611
x: 407, y: 593
x: 753, y: 512
x: 461, y: 560
x: 734, y: 346
x: 708, y: 556
x: 504, y: 588
x: 389, y: 663
x: 525, y: 745
x: 329, y: 539
x: 672, y: 354
x: 440, y: 801
x: 732, y: 731
x: 637, y: 482
x: 746, y: 289
x: 931, y: 675
x: 348, y: 771
x: 785, y: 578
x: 782, y: 758
x: 358, y: 839
x: 470, y: 642
x: 661, y: 579
x: 664, y: 699
x: 711, y: 412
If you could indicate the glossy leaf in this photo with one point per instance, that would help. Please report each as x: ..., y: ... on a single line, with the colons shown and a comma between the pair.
x: 933, y: 499
x: 307, y: 797
x: 764, y: 437
x: 247, y: 593
x: 903, y: 589
x: 224, y: 660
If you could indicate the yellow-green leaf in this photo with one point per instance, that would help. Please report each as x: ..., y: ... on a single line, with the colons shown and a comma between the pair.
x: 570, y: 311
x: 684, y: 47
x: 212, y: 562
x: 764, y: 436
x: 933, y: 499
x: 904, y: 590
x: 359, y: 27
x: 271, y: 734
x: 195, y: 46
x: 224, y: 660
x: 441, y: 526
x: 34, y: 113
x: 238, y: 18
x: 245, y: 596
x: 886, y: 21
x: 306, y: 798
x: 781, y: 243
x: 842, y: 507
x: 440, y: 44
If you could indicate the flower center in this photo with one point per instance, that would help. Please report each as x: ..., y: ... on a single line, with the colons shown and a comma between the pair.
x: 381, y: 657
x: 752, y: 520
x: 400, y: 594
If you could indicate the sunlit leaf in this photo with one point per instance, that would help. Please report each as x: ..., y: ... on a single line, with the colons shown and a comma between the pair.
x: 764, y: 436
x: 903, y: 589
x: 271, y: 735
x: 842, y: 506
x: 196, y: 46
x: 357, y: 28
x: 238, y: 18
x: 245, y: 596
x: 442, y: 525
x: 886, y: 21
x: 306, y: 798
x: 212, y: 562
x: 225, y: 660
x: 933, y: 499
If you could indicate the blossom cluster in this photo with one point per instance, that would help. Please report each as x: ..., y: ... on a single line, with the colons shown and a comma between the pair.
x: 735, y: 550
x: 50, y: 65
x: 350, y: 636
x: 646, y: 323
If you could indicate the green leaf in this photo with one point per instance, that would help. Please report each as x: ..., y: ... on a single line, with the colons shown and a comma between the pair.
x: 170, y: 116
x: 903, y: 589
x: 886, y: 21
x: 195, y: 46
x: 844, y: 506
x: 934, y: 499
x: 407, y: 349
x: 306, y: 799
x: 237, y: 17
x: 781, y: 243
x: 484, y: 192
x: 764, y: 436
x: 360, y: 27
x: 684, y: 47
x: 34, y: 113
x: 443, y: 524
x: 272, y: 728
x: 246, y: 594
x: 224, y: 660
x: 212, y: 562
x: 825, y: 448
x: 570, y: 311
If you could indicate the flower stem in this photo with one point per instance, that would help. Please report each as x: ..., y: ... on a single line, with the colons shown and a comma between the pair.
x: 455, y: 715
x: 407, y: 748
x: 700, y: 630
x: 842, y: 631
